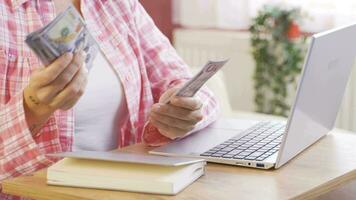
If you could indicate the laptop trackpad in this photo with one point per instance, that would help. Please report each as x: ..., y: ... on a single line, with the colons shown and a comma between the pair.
x: 205, y: 139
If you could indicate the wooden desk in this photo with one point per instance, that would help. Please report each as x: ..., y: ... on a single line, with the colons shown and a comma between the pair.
x: 329, y: 163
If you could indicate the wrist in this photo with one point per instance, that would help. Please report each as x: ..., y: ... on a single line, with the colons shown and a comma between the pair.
x: 36, y: 114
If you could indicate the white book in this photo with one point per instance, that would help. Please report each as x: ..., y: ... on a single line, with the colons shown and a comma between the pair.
x: 147, y: 178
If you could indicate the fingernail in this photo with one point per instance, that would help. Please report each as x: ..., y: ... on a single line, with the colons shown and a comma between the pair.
x: 68, y: 55
x: 200, y: 117
x: 156, y: 107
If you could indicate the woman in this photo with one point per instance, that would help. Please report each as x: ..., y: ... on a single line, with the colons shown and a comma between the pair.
x: 45, y: 109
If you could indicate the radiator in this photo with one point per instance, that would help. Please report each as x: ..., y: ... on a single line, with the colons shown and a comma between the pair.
x: 198, y: 46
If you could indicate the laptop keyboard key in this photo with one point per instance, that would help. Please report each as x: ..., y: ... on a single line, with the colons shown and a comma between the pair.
x: 249, y: 150
x: 239, y: 157
x: 234, y: 152
x: 253, y: 148
x: 256, y: 154
x: 227, y: 149
x: 245, y: 146
x: 228, y: 156
x: 244, y: 153
x: 217, y: 154
x: 250, y: 158
x: 220, y: 146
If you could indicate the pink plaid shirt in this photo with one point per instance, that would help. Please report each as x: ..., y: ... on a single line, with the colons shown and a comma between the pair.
x: 126, y: 35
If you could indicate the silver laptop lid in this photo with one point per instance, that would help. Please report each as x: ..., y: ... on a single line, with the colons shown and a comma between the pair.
x: 325, y: 74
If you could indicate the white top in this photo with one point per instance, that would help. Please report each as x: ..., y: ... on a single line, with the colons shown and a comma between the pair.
x: 98, y: 111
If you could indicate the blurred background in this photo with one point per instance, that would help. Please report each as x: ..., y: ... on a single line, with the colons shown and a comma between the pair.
x: 266, y: 41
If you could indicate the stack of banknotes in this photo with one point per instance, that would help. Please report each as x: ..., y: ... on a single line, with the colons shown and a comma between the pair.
x: 66, y: 33
x: 191, y: 87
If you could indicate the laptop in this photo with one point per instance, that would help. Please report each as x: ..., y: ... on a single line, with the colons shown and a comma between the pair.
x: 271, y: 144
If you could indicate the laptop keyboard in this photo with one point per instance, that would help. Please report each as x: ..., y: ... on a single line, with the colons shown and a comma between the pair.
x: 260, y: 142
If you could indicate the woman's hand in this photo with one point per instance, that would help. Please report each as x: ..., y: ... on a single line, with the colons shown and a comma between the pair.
x: 57, y: 86
x: 177, y: 118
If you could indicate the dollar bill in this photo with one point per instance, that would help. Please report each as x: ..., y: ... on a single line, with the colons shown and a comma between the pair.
x: 191, y: 87
x: 66, y: 33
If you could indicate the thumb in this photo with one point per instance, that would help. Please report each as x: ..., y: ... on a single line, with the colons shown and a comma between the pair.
x: 167, y: 95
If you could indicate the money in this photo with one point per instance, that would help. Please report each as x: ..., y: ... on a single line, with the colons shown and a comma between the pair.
x: 190, y: 88
x: 66, y: 33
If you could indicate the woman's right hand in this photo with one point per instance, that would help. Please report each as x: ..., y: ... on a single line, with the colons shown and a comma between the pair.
x: 57, y: 86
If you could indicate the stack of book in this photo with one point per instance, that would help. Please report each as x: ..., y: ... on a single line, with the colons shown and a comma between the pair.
x: 125, y: 171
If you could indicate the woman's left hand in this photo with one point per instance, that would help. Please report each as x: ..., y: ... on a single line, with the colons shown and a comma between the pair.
x: 177, y: 118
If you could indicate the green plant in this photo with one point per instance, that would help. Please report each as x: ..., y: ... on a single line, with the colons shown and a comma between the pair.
x: 278, y: 51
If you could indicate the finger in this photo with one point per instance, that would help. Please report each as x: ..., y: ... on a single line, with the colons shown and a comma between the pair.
x: 72, y: 90
x: 170, y: 121
x: 67, y: 75
x: 51, y: 72
x: 35, y: 81
x: 167, y: 95
x: 190, y: 103
x: 177, y: 112
x: 72, y: 102
x: 47, y: 93
x: 168, y: 131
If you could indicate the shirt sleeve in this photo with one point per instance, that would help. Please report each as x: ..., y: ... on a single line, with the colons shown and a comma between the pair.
x: 19, y: 153
x: 162, y: 60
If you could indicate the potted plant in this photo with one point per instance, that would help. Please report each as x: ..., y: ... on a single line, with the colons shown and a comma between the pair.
x: 278, y: 50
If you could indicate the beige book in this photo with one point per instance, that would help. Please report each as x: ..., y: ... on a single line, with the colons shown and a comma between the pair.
x: 124, y: 176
